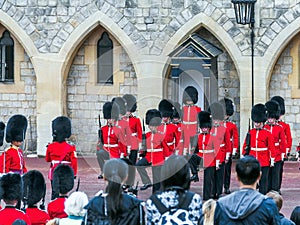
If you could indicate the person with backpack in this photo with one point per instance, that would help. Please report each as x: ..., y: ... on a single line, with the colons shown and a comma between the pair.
x: 112, y: 206
x: 175, y: 203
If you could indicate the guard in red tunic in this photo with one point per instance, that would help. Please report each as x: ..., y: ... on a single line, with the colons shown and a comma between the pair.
x: 273, y: 113
x: 234, y: 139
x: 157, y: 151
x: 190, y: 112
x: 169, y: 130
x: 11, y: 189
x: 2, y: 129
x: 63, y: 183
x: 112, y: 136
x: 260, y: 145
x: 60, y: 151
x: 12, y: 160
x: 34, y: 190
x: 176, y: 120
x: 287, y: 132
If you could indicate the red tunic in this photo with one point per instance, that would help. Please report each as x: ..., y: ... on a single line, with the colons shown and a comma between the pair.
x: 8, y: 215
x: 157, y: 148
x: 261, y: 146
x: 288, y: 135
x: 234, y: 137
x: 126, y: 133
x: 189, y: 124
x: 61, y: 153
x: 205, y: 151
x: 171, y: 134
x: 37, y: 216
x: 279, y: 140
x: 179, y: 147
x: 56, y: 208
x: 136, y: 132
x: 13, y: 160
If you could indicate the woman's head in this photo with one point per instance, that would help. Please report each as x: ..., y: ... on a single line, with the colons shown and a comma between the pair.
x: 74, y: 205
x: 115, y: 170
x: 176, y: 172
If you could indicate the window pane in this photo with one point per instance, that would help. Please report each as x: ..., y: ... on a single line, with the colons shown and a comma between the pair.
x: 7, y: 57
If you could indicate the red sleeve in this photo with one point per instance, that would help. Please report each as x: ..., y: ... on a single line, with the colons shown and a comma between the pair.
x: 166, y: 148
x: 24, y: 165
x: 282, y: 143
x: 8, y: 158
x: 235, y: 136
x: 177, y: 136
x: 139, y: 129
x: 227, y: 141
x: 48, y: 157
x: 288, y: 137
x: 73, y: 159
x: 271, y: 145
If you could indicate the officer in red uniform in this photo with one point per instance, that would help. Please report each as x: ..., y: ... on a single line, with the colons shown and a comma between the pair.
x: 112, y: 136
x: 221, y: 143
x: 34, y: 190
x: 273, y: 113
x: 12, y: 158
x: 190, y: 111
x: 287, y: 132
x: 11, y: 189
x: 60, y: 151
x: 176, y: 120
x: 157, y: 150
x: 261, y: 144
x: 63, y: 183
x: 234, y: 139
x: 170, y: 131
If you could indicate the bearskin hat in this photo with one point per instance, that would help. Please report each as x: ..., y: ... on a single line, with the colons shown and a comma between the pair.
x: 177, y: 112
x: 121, y: 103
x: 280, y: 101
x: 204, y: 119
x: 130, y: 103
x: 61, y: 128
x: 229, y: 106
x: 166, y: 108
x: 16, y: 128
x: 11, y: 187
x: 217, y: 111
x: 63, y: 179
x: 190, y: 93
x: 273, y: 109
x: 34, y: 187
x: 153, y: 117
x: 258, y: 113
x: 2, y: 128
x: 111, y: 111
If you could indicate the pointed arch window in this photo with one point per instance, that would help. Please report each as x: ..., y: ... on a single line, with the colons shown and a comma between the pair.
x: 105, y: 60
x: 7, y: 58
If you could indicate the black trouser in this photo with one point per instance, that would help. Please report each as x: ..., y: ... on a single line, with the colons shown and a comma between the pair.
x: 220, y: 179
x: 263, y: 182
x: 280, y: 174
x: 194, y: 162
x: 209, y: 183
x: 274, y: 177
x: 227, y: 174
x: 131, y: 170
x: 102, y: 155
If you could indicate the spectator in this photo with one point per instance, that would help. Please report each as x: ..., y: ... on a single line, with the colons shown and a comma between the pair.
x: 113, y: 206
x: 175, y: 185
x: 295, y: 216
x: 279, y: 201
x: 19, y: 222
x: 208, y: 209
x: 246, y: 206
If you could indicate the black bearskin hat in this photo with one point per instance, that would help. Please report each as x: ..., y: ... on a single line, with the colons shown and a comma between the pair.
x: 217, y: 111
x: 121, y: 103
x: 280, y: 101
x: 177, y: 112
x: 166, y: 108
x: 16, y: 128
x: 204, y: 119
x: 273, y: 109
x: 229, y: 106
x: 130, y: 103
x: 258, y: 113
x: 63, y: 179
x: 61, y: 128
x: 153, y: 117
x: 34, y: 187
x: 111, y: 111
x: 2, y: 128
x: 11, y: 185
x: 190, y: 93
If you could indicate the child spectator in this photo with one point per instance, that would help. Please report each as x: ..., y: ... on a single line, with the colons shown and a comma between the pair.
x: 208, y: 209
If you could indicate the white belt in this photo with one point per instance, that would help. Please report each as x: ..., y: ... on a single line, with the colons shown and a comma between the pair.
x: 134, y: 134
x: 57, y: 161
x: 155, y: 150
x: 111, y: 146
x: 186, y: 122
x: 170, y: 143
x: 259, y: 149
x: 276, y: 144
x: 207, y: 151
x: 231, y: 139
x: 222, y: 145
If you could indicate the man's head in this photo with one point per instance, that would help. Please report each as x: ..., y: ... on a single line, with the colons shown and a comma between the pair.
x: 248, y: 170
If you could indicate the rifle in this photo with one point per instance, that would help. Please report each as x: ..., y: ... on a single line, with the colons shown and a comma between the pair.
x: 100, y: 136
x: 248, y: 146
x: 143, y: 149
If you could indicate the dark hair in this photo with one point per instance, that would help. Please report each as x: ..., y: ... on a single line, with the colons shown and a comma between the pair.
x: 175, y: 172
x: 295, y: 216
x: 19, y: 222
x: 248, y: 170
x: 115, y: 171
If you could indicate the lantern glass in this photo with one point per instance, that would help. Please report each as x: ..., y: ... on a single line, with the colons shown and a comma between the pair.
x: 244, y: 11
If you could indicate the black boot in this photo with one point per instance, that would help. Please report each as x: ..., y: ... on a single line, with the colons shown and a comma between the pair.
x: 194, y: 178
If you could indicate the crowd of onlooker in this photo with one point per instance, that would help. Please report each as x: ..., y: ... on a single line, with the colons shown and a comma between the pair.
x: 24, y: 198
